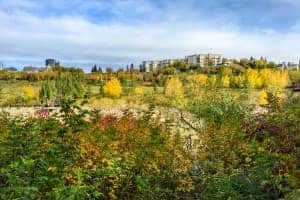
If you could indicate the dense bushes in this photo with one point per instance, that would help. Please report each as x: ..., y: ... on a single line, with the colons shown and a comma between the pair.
x: 83, y: 155
x: 243, y: 156
x: 103, y: 158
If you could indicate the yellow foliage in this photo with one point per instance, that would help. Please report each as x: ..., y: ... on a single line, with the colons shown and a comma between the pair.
x: 138, y: 91
x: 29, y: 92
x: 113, y: 88
x: 238, y: 81
x: 274, y: 78
x: 277, y: 79
x: 213, y: 81
x: 265, y: 74
x: 253, y: 79
x: 225, y: 81
x: 174, y: 90
x: 263, y: 98
x: 201, y: 79
x: 226, y: 71
x: 279, y: 97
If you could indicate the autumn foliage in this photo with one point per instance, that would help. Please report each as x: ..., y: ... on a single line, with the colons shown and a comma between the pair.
x: 174, y: 90
x: 113, y: 88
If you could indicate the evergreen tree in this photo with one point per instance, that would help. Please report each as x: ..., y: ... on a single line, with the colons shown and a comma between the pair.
x: 94, y: 69
x: 109, y: 70
x: 131, y: 67
x: 99, y: 69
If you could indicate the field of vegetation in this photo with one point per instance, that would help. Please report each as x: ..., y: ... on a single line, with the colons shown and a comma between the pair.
x: 175, y: 133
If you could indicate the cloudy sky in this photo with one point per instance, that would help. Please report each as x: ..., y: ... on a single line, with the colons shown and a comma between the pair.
x: 83, y: 32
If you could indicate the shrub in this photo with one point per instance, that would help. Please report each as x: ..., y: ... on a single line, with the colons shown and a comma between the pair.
x: 225, y: 81
x: 29, y: 93
x: 105, y: 157
x: 174, y: 90
x: 138, y: 91
x: 263, y: 98
x: 201, y: 80
x: 253, y: 79
x: 213, y: 81
x: 113, y: 88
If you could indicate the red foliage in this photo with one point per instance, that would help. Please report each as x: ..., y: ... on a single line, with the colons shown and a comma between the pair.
x: 123, y: 125
x: 42, y: 113
x: 285, y: 141
x: 107, y: 120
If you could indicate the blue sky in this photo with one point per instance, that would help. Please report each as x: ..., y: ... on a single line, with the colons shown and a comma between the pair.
x: 84, y: 32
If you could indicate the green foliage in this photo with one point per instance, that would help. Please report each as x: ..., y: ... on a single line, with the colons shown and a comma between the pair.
x: 244, y: 157
x: 46, y: 92
x: 80, y: 154
x: 69, y: 86
x: 101, y: 158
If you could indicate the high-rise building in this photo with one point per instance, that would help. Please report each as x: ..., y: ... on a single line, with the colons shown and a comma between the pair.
x: 50, y: 62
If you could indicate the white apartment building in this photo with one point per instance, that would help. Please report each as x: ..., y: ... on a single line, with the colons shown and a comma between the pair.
x: 198, y: 59
x: 151, y: 65
x: 204, y: 59
x: 169, y: 61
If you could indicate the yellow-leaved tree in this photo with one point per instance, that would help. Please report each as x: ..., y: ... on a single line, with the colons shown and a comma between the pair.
x: 174, y: 90
x: 265, y: 75
x: 253, y: 79
x: 226, y: 71
x: 278, y: 79
x: 238, y: 81
x: 201, y: 80
x: 274, y: 79
x: 213, y: 81
x: 225, y: 80
x: 29, y: 93
x: 113, y: 88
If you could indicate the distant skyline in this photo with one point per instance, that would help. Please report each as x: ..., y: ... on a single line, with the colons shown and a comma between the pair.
x: 118, y: 32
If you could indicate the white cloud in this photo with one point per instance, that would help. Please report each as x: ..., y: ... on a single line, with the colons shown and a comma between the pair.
x: 75, y: 39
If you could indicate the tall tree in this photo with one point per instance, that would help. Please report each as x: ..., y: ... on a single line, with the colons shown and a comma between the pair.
x: 99, y: 69
x: 46, y: 92
x: 94, y: 69
x: 109, y: 70
x: 131, y: 67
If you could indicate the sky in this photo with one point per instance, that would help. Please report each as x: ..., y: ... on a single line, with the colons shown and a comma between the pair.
x: 119, y: 32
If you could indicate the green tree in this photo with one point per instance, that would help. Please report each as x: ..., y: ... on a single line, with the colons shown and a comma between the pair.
x: 94, y: 69
x: 68, y: 86
x: 244, y: 62
x: 181, y: 66
x: 271, y: 64
x: 46, y: 92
